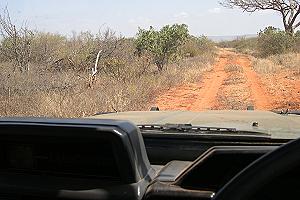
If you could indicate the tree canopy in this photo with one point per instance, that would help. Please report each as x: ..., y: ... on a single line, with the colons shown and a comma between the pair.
x: 161, y: 44
x: 288, y: 9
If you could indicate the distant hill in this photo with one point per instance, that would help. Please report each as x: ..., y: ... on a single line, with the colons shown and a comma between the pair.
x: 230, y: 37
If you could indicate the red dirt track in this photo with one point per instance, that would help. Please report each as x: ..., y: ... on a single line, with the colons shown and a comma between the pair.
x: 222, y: 89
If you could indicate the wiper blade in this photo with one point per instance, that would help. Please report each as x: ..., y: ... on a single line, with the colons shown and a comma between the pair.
x: 288, y: 112
x: 190, y: 129
x: 182, y: 128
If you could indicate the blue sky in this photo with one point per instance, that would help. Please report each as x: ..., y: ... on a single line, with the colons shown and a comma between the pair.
x: 202, y: 16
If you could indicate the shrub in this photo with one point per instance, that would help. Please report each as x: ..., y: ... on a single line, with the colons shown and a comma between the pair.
x: 297, y: 42
x: 15, y: 43
x: 47, y: 48
x: 196, y: 46
x: 242, y: 44
x: 273, y: 41
x: 65, y: 93
x: 57, y: 83
x: 162, y: 44
x: 123, y: 65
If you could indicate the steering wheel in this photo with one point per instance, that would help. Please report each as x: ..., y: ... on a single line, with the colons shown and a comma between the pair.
x: 261, y: 172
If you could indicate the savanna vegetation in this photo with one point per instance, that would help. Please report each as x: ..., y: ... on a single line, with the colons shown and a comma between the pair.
x: 46, y: 74
x: 273, y: 49
x: 289, y: 10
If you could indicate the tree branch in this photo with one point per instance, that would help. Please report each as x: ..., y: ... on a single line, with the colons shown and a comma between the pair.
x: 289, y: 9
x: 297, y: 25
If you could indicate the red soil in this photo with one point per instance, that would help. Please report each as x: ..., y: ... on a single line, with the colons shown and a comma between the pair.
x: 221, y: 89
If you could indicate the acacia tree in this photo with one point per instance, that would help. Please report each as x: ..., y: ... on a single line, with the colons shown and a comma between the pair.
x: 288, y: 9
x: 161, y: 44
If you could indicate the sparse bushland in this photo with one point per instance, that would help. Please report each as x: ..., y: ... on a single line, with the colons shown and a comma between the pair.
x: 277, y: 50
x: 56, y: 81
x: 242, y: 45
x: 270, y: 41
x: 66, y: 93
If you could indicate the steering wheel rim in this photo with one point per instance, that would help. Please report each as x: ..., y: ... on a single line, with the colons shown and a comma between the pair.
x: 260, y: 172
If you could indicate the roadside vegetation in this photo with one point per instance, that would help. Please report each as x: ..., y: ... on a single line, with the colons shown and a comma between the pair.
x: 46, y: 74
x: 241, y: 45
x: 275, y: 63
x: 277, y: 50
x: 272, y: 50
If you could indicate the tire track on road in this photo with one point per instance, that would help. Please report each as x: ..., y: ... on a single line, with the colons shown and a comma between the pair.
x: 196, y: 97
x: 259, y: 94
x: 207, y: 94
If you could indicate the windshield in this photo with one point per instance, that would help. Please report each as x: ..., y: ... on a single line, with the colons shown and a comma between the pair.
x: 74, y: 59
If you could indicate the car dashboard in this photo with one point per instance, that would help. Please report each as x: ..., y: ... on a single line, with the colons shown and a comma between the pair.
x: 110, y: 159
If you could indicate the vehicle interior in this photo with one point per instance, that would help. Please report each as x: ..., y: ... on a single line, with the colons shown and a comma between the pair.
x: 114, y: 159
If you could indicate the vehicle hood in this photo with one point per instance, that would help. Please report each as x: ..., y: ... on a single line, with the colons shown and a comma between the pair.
x: 279, y: 126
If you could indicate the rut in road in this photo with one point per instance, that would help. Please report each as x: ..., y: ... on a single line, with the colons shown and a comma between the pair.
x: 208, y: 94
x: 259, y: 94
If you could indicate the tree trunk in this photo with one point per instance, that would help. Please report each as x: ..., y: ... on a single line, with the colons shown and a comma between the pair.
x: 289, y: 29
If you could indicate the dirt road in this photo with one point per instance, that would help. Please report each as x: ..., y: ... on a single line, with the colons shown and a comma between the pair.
x: 231, y: 84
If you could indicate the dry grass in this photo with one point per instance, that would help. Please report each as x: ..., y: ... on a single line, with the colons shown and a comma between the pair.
x: 265, y: 66
x: 275, y: 63
x: 57, y: 82
x: 66, y: 93
x: 234, y: 79
x: 191, y: 69
x: 235, y: 75
x: 234, y: 93
x: 233, y: 68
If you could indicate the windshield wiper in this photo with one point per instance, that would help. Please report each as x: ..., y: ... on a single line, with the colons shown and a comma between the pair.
x: 189, y: 128
x: 182, y: 128
x: 288, y: 112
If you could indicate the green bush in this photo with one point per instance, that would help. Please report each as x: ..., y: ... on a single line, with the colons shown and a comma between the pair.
x: 272, y: 41
x: 196, y: 46
x: 162, y: 44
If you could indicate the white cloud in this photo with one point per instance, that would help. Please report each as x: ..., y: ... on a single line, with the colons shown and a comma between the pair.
x: 215, y: 10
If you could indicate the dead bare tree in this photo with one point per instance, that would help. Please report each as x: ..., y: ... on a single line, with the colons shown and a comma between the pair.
x: 94, y: 70
x: 108, y: 42
x: 288, y: 9
x: 15, y: 42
